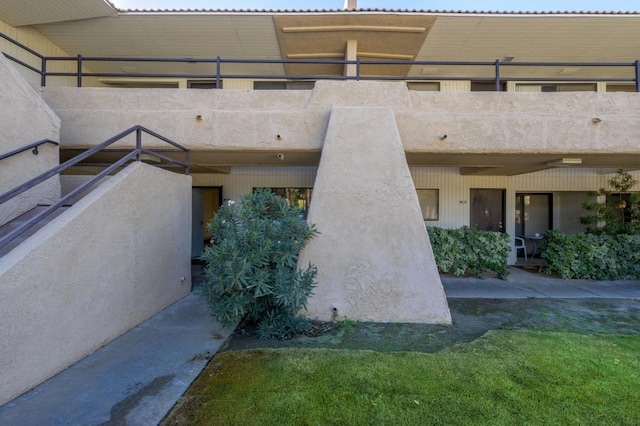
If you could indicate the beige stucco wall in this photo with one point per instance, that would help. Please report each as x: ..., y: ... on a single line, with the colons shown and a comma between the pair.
x: 250, y: 120
x: 114, y: 259
x: 373, y: 254
x: 24, y: 119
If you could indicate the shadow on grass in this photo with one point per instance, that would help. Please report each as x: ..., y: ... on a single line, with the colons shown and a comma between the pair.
x: 471, y: 319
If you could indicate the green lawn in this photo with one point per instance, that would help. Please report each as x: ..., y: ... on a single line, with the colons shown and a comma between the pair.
x: 504, y: 378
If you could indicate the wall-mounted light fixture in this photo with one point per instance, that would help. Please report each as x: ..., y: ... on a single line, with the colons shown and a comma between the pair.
x: 596, y: 120
x: 563, y: 162
x: 198, y: 117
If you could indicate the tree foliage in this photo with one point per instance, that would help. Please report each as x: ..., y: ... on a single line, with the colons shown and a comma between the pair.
x: 619, y: 213
x: 252, y: 265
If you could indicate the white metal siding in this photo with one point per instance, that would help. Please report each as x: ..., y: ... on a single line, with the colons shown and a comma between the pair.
x: 237, y: 84
x: 244, y: 179
x: 455, y: 86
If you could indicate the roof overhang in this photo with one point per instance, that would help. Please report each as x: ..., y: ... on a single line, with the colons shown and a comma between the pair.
x: 220, y: 161
x: 421, y: 36
x: 31, y: 12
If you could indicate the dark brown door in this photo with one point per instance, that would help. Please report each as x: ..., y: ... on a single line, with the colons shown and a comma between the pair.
x: 487, y: 209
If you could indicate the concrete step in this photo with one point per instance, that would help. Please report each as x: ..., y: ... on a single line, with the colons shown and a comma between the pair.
x: 24, y: 218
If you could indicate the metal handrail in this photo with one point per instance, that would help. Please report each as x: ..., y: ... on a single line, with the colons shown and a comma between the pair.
x: 218, y: 75
x: 134, y: 154
x: 32, y: 146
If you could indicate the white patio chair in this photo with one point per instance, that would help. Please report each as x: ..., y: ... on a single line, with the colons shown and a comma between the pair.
x: 520, y: 244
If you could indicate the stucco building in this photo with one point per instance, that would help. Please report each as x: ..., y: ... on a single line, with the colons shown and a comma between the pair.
x: 507, y: 120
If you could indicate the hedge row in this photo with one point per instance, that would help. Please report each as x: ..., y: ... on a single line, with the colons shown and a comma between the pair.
x: 589, y: 256
x: 466, y: 250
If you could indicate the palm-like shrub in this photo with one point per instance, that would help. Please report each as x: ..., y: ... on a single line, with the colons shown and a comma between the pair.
x: 252, y: 269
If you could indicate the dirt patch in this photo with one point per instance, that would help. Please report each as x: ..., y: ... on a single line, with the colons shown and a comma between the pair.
x: 471, y: 319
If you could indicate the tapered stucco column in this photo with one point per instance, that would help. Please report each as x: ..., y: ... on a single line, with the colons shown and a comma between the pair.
x: 373, y: 254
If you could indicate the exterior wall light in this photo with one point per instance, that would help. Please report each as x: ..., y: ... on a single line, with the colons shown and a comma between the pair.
x: 564, y: 162
x: 595, y: 120
x: 198, y: 117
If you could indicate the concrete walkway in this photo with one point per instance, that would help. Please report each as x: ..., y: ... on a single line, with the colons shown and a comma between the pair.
x: 521, y: 284
x: 136, y: 379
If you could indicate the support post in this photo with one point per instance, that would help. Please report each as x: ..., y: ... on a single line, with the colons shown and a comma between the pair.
x: 79, y: 82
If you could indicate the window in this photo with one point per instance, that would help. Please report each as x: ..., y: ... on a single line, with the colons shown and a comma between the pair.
x: 300, y: 197
x: 564, y: 87
x: 427, y: 86
x: 487, y: 86
x: 611, y: 87
x: 201, y: 84
x: 283, y: 85
x: 141, y: 84
x: 623, y: 204
x: 429, y: 203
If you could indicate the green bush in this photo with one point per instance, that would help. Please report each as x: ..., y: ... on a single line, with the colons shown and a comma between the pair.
x: 252, y: 266
x: 466, y: 250
x: 590, y: 256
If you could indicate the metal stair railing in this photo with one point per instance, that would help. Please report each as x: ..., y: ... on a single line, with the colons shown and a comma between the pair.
x: 135, y: 154
x: 32, y: 146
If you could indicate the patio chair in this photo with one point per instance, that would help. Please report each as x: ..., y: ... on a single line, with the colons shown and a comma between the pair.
x: 520, y: 245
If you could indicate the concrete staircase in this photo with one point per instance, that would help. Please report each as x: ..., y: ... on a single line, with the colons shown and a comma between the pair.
x: 22, y: 219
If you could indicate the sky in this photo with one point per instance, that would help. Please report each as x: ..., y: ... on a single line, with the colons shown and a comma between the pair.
x: 484, y: 5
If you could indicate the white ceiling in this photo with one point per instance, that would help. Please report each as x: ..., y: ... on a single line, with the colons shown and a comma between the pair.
x: 29, y: 12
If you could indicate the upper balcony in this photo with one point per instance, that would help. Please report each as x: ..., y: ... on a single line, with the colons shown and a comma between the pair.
x: 299, y: 71
x: 484, y: 135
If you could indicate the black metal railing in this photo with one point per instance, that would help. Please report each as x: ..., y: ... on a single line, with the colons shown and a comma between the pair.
x: 43, y: 61
x: 135, y: 154
x: 32, y: 146
x: 497, y: 67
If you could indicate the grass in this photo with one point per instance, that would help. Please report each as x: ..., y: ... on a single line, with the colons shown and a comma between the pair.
x: 503, y: 378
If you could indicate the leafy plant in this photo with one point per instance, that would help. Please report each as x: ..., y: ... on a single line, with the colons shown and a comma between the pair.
x: 467, y: 250
x: 252, y: 269
x: 620, y: 213
x: 590, y: 256
x: 347, y: 322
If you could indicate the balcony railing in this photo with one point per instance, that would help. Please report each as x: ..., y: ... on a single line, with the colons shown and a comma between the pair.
x: 497, y: 68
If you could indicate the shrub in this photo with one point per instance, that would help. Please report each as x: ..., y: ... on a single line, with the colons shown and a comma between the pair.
x: 590, y: 256
x: 466, y: 250
x: 252, y: 266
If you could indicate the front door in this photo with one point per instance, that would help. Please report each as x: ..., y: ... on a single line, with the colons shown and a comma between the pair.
x: 487, y: 209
